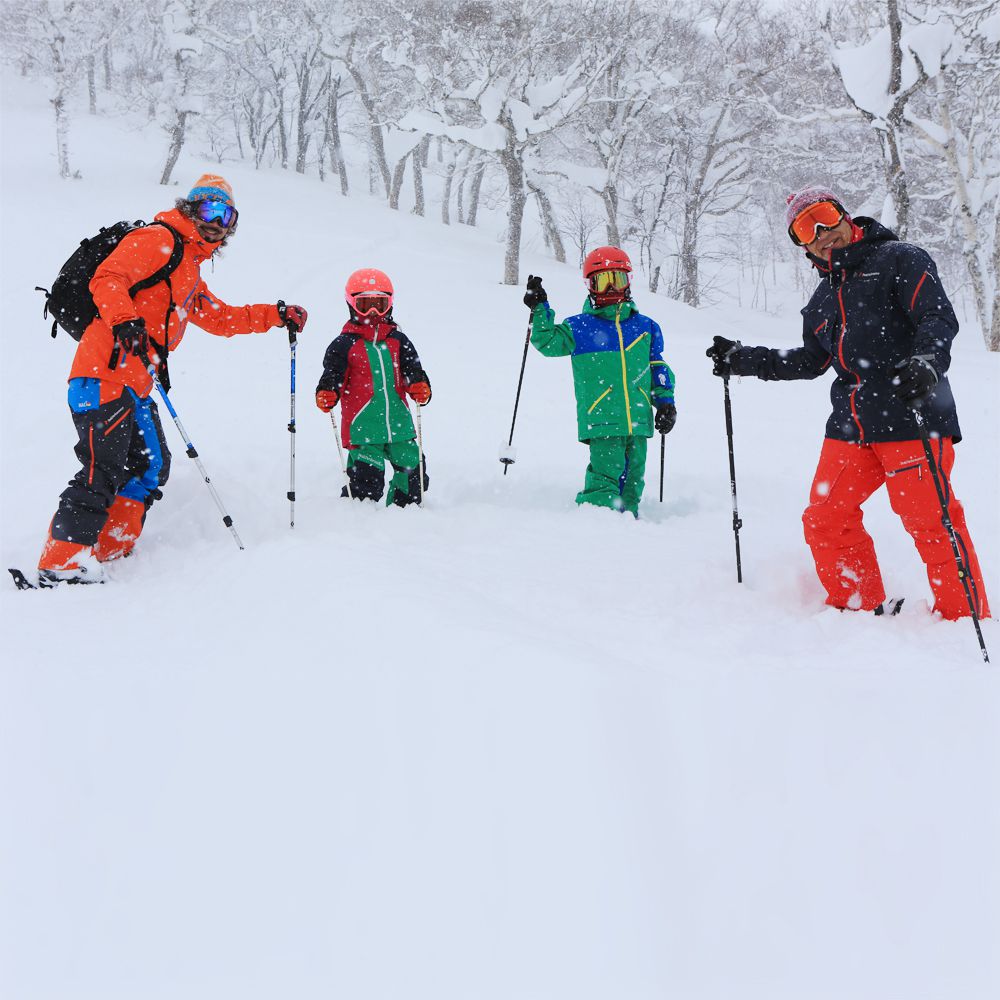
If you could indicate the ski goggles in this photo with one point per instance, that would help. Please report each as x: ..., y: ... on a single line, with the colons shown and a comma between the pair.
x: 372, y: 302
x: 216, y: 211
x: 605, y: 281
x: 810, y: 222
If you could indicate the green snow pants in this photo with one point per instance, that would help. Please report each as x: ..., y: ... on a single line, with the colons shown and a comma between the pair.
x: 616, y: 474
x: 366, y: 472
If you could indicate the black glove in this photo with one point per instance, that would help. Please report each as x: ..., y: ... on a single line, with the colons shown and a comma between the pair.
x: 720, y: 353
x: 913, y: 379
x: 293, y: 317
x: 132, y: 336
x: 535, y: 295
x: 666, y: 417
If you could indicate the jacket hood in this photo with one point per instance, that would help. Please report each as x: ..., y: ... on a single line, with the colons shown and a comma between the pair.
x: 852, y: 255
x: 608, y: 312
x: 177, y: 220
x: 374, y: 332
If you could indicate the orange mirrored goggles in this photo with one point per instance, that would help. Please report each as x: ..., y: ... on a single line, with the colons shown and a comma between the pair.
x: 810, y: 221
x: 603, y: 281
x: 372, y: 302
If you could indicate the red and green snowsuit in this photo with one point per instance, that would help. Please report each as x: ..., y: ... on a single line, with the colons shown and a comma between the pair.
x: 369, y: 365
x: 620, y: 377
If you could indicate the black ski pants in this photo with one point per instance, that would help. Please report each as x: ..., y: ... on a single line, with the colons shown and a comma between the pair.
x: 121, y: 450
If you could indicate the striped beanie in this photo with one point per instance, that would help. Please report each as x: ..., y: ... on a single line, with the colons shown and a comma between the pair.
x: 799, y: 201
x: 211, y: 187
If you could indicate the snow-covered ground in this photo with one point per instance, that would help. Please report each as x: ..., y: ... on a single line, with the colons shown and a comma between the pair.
x: 497, y: 748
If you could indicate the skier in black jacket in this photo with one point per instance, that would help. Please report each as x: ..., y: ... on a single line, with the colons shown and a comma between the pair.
x: 881, y: 320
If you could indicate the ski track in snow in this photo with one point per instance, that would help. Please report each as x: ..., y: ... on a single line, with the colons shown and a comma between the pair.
x: 499, y: 747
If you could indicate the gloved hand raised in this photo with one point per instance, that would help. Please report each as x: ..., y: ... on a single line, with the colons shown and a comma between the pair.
x: 666, y: 417
x: 293, y: 317
x: 914, y: 379
x: 720, y: 352
x: 326, y: 399
x: 535, y: 295
x: 132, y: 336
x: 419, y: 392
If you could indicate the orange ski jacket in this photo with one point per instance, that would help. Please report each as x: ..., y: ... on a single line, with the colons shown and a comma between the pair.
x: 138, y: 256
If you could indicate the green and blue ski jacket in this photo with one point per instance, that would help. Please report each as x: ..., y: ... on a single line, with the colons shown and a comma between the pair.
x: 619, y: 374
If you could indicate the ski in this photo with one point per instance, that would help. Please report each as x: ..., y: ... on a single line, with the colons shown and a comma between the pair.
x: 23, y: 583
x: 892, y: 606
x: 41, y: 582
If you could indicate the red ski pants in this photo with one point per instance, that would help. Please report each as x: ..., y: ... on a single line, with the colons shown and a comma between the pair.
x: 847, y: 475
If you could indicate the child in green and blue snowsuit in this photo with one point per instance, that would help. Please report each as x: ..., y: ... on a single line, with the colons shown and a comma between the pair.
x: 623, y: 386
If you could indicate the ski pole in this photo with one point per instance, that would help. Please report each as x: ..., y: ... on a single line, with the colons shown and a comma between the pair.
x: 737, y: 523
x: 963, y: 573
x: 340, y: 452
x: 663, y: 446
x: 508, y: 458
x: 191, y: 452
x: 420, y: 452
x: 291, y: 430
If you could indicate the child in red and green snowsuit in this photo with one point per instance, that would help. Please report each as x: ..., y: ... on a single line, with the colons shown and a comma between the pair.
x: 370, y: 368
x: 623, y: 386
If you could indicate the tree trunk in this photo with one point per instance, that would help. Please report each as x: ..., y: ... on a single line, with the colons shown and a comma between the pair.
x: 377, y: 144
x: 993, y: 341
x: 62, y: 134
x: 302, y: 122
x: 176, y: 143
x: 511, y: 162
x: 419, y: 158
x: 553, y: 237
x: 238, y: 132
x: 59, y: 106
x: 973, y: 242
x: 92, y: 83
x: 282, y: 131
x: 106, y: 59
x: 397, y: 181
x: 610, y: 198
x: 895, y: 179
x: 689, y: 278
x: 449, y: 179
x: 333, y: 135
x: 460, y: 192
x: 477, y: 184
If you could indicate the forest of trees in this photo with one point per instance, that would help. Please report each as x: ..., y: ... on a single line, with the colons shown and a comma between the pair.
x: 675, y: 127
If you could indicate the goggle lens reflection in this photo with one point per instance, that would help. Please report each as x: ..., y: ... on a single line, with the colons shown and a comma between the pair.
x: 808, y: 223
x: 216, y: 211
x: 371, y: 302
x: 604, y: 281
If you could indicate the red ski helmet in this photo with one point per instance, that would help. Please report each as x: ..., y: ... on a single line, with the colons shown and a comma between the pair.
x: 369, y: 290
x: 615, y: 264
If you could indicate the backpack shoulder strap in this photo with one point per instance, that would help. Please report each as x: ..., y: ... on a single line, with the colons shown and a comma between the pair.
x: 164, y: 272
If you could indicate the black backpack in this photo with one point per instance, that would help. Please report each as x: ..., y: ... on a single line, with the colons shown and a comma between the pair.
x: 70, y: 302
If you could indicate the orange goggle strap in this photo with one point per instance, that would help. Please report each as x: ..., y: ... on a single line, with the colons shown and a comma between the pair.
x: 603, y: 281
x: 821, y: 215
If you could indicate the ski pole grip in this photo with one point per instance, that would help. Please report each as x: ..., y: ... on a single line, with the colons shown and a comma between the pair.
x: 288, y: 325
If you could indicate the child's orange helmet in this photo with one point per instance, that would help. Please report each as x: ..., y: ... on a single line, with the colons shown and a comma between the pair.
x: 369, y: 291
x: 607, y: 272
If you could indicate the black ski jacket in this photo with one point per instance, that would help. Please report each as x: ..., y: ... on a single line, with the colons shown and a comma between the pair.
x: 880, y: 302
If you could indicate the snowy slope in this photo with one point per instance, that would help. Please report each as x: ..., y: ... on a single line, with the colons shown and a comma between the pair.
x: 500, y: 747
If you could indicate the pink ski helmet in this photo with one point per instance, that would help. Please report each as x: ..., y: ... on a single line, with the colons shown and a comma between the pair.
x: 369, y: 291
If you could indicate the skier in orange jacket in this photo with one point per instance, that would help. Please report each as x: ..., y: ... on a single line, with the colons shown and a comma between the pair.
x: 124, y: 459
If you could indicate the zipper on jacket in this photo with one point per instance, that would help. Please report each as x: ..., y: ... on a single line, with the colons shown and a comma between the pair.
x: 385, y: 392
x: 599, y: 398
x: 621, y: 351
x: 840, y: 353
